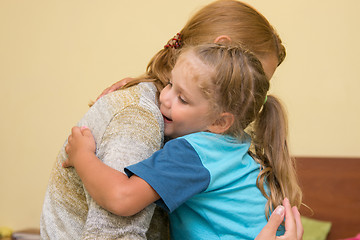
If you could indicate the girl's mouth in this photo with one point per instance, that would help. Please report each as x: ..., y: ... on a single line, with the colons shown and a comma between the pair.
x: 166, y: 119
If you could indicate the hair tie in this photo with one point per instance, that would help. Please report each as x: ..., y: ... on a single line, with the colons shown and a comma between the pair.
x: 175, y: 42
x: 265, y: 99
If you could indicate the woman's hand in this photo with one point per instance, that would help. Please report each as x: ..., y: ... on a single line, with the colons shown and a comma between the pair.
x: 293, y: 227
x: 114, y: 87
x: 80, y: 143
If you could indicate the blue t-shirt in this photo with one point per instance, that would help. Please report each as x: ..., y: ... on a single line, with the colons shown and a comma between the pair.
x: 208, y: 184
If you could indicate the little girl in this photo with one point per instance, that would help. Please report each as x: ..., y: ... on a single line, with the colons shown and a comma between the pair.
x: 206, y: 178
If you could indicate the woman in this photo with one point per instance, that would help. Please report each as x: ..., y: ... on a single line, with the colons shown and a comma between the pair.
x: 128, y: 125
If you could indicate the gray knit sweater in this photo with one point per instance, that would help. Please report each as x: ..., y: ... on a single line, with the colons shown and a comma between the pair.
x: 128, y: 127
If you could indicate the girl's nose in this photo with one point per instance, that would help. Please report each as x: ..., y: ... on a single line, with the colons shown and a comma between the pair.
x: 165, y: 97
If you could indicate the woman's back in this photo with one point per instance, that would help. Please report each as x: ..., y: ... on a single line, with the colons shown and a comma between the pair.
x: 128, y: 127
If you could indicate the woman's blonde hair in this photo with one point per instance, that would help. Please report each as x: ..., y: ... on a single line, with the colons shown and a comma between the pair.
x: 237, y: 84
x: 237, y: 20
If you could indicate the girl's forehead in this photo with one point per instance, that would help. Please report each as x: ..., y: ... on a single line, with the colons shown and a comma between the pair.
x: 189, y: 63
x: 193, y: 73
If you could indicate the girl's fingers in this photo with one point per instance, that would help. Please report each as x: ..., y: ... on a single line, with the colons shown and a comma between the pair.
x: 75, y: 130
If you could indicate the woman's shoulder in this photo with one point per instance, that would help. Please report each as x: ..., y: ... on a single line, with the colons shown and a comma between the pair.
x: 142, y: 94
x: 140, y: 99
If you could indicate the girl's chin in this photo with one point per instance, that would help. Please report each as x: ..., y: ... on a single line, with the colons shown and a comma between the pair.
x: 169, y: 134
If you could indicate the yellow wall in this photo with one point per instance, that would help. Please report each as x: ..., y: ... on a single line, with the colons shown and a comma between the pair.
x: 57, y: 55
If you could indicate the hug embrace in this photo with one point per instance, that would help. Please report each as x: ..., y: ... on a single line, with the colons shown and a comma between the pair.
x: 225, y: 166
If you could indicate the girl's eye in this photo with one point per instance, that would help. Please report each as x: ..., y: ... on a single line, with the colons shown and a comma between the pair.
x: 182, y: 100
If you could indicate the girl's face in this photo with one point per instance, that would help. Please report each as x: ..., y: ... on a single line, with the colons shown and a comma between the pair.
x: 182, y: 104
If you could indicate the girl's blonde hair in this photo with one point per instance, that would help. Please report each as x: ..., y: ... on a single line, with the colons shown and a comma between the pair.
x: 237, y: 84
x: 235, y: 19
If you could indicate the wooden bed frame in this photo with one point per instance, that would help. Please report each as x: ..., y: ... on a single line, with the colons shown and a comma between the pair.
x: 331, y: 188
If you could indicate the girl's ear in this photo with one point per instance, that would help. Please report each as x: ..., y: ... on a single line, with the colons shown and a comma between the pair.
x: 222, y: 123
x: 222, y: 39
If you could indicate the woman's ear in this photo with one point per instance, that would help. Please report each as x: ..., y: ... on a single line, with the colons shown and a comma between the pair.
x: 222, y: 123
x: 222, y: 39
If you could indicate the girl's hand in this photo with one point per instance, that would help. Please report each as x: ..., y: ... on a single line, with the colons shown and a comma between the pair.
x: 80, y: 143
x: 293, y: 227
x: 114, y: 87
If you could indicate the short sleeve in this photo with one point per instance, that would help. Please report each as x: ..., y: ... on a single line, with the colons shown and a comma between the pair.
x: 175, y: 172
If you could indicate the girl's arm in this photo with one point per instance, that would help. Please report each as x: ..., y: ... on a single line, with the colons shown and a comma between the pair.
x: 110, y: 188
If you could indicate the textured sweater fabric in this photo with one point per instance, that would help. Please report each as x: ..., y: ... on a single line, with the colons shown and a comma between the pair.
x: 128, y: 127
